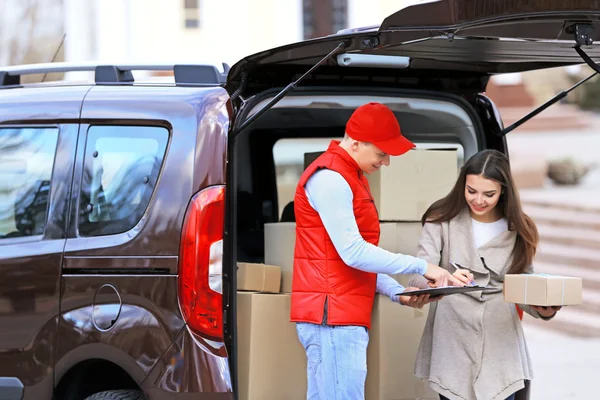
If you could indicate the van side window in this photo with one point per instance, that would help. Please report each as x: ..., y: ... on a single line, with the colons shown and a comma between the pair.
x: 121, y: 168
x: 26, y: 162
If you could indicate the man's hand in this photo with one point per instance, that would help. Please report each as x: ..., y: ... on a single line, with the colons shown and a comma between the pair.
x: 440, y: 277
x: 548, y: 311
x: 417, y: 301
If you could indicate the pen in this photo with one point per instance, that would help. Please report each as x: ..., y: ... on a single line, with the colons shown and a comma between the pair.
x: 458, y: 266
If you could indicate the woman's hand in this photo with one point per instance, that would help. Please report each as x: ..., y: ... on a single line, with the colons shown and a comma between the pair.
x: 546, y: 311
x: 464, y: 276
x: 417, y: 301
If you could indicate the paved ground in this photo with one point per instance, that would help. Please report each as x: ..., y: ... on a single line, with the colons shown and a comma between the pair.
x: 564, y: 367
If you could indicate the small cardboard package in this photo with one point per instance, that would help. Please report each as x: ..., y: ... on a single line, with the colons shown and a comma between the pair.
x: 258, y: 277
x: 412, y: 182
x: 542, y: 289
x: 394, y: 340
x: 271, y: 359
x: 280, y: 240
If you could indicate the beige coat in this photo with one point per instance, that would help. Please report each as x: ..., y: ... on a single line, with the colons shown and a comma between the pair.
x: 473, y: 345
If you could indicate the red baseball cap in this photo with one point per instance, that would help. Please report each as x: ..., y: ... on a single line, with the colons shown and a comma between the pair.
x: 375, y: 123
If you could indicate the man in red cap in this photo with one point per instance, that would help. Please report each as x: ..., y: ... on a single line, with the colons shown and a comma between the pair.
x: 338, y: 267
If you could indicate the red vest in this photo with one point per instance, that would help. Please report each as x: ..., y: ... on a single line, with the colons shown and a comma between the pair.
x: 321, y: 280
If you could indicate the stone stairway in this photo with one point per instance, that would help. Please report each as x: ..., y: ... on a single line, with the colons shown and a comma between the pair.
x: 569, y: 245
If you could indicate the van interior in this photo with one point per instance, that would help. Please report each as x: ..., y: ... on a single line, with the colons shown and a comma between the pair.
x: 266, y: 161
x: 269, y: 158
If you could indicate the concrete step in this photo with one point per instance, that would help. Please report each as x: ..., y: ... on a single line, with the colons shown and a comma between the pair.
x: 563, y: 201
x: 569, y: 256
x: 566, y: 235
x: 570, y: 320
x: 562, y: 217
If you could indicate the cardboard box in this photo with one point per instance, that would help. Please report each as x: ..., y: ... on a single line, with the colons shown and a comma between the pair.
x: 393, y: 344
x: 258, y: 277
x: 400, y: 237
x: 542, y: 289
x: 271, y: 359
x: 280, y: 239
x: 412, y: 182
x: 272, y: 362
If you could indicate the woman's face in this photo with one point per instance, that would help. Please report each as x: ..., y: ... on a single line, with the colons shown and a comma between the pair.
x: 482, y: 196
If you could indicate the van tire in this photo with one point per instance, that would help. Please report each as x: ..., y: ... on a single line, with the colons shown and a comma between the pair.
x: 118, y: 395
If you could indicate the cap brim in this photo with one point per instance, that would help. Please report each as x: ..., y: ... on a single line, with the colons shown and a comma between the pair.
x: 396, y: 146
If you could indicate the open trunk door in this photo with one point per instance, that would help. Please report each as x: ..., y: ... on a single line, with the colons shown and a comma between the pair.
x: 462, y: 38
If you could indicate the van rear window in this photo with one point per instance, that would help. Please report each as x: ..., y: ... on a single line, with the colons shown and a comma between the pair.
x: 121, y: 168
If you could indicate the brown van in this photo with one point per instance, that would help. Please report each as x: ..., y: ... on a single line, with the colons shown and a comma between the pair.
x: 126, y: 205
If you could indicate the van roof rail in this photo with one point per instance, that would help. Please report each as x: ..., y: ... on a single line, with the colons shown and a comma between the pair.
x: 186, y: 74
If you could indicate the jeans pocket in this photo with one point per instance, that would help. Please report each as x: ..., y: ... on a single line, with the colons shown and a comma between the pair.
x: 307, y: 333
x: 348, y: 327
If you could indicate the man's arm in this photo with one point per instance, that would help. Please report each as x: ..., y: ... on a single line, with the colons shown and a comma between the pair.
x: 330, y: 195
x: 388, y: 286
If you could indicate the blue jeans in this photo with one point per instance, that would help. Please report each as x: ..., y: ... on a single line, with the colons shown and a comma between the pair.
x: 337, y: 361
x: 511, y: 397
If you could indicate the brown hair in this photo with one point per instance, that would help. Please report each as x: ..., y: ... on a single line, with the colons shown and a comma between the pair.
x: 494, y: 165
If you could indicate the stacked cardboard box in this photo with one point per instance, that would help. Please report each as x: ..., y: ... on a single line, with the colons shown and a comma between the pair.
x: 393, y: 343
x: 258, y: 278
x: 412, y: 182
x: 280, y: 239
x: 271, y: 360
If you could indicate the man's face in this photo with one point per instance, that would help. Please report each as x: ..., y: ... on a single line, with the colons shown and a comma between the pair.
x: 369, y: 157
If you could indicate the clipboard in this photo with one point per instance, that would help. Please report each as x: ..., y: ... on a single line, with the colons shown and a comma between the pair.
x: 444, y: 291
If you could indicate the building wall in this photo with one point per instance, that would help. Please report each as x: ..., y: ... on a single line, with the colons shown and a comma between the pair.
x: 154, y: 30
x: 373, y: 12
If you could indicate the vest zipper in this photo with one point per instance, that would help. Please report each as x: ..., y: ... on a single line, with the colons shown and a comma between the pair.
x: 324, y: 322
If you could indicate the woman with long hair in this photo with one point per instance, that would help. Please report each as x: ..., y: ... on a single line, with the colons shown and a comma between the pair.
x: 473, y: 345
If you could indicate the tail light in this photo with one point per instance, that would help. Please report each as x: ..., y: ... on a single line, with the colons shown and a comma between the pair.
x: 200, y: 263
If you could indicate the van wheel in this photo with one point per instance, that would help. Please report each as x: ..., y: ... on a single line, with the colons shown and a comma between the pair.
x: 118, y: 395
